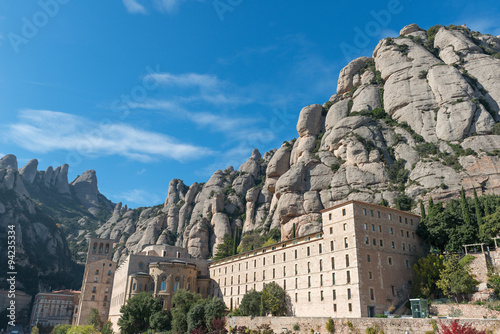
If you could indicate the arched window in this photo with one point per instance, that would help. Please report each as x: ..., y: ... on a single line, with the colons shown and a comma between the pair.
x: 106, y: 249
x: 100, y: 248
x: 94, y: 248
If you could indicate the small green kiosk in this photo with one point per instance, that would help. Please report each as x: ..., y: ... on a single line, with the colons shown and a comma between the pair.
x: 419, y: 308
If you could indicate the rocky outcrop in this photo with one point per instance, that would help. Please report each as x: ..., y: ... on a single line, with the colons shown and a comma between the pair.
x: 85, y: 189
x: 28, y: 172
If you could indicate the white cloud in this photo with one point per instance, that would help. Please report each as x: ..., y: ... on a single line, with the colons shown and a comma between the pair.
x: 134, y: 7
x: 44, y: 131
x: 138, y: 197
x: 185, y: 80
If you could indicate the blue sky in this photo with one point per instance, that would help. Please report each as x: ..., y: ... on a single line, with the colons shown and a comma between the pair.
x: 147, y: 91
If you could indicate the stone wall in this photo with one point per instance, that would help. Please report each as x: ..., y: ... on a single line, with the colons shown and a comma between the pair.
x: 466, y: 311
x: 356, y: 325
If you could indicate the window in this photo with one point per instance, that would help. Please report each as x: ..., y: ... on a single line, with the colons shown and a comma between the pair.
x: 296, y: 283
x: 406, y: 220
x: 411, y: 222
x: 349, y: 306
x: 364, y: 212
x: 331, y: 230
x: 380, y: 228
x: 370, y: 276
x: 347, y: 260
x: 400, y: 219
x: 372, y: 295
x: 264, y: 261
x: 332, y: 247
x: 393, y: 290
x: 321, y: 295
x: 333, y: 278
x: 284, y: 284
x: 389, y: 260
x: 381, y: 243
x: 255, y: 263
x: 93, y: 297
x: 97, y: 272
x: 373, y: 228
x: 349, y: 294
x: 334, y: 294
x: 413, y: 235
x: 348, y: 276
x: 321, y: 280
x: 374, y: 242
x: 246, y: 278
x: 334, y: 307
x: 393, y: 245
x: 378, y: 214
x: 296, y: 271
x: 371, y: 213
x: 274, y: 259
x: 254, y: 276
x: 308, y: 267
x: 320, y: 248
x: 365, y: 226
x: 95, y: 288
x: 263, y: 274
x: 407, y: 234
x: 225, y: 270
x: 391, y: 231
x: 368, y: 258
x: 296, y: 297
x: 404, y: 246
x: 246, y: 265
x: 308, y: 281
x: 295, y: 253
x: 330, y: 216
x: 284, y: 271
x: 309, y: 296
x: 407, y: 264
x: 367, y: 240
x: 320, y: 265
x: 402, y: 233
x: 343, y: 212
x: 346, y: 244
x: 274, y: 273
x: 333, y: 263
x: 308, y: 251
x: 345, y: 227
x: 284, y: 257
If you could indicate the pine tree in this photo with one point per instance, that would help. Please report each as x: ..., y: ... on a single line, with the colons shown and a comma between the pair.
x: 293, y: 231
x: 477, y: 207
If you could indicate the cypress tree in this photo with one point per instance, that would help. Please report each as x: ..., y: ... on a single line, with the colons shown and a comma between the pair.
x: 235, y: 241
x: 422, y: 209
x: 465, y: 208
x: 293, y: 231
x: 477, y: 207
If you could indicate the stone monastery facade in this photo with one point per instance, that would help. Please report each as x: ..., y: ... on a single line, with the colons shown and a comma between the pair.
x: 359, y: 265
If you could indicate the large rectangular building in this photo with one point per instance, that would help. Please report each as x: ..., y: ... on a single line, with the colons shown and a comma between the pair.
x: 53, y: 308
x: 360, y: 264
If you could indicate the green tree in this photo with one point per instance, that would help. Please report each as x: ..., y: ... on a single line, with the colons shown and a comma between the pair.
x: 422, y: 210
x: 94, y: 318
x: 404, y: 202
x: 456, y: 279
x: 196, y: 316
x: 225, y: 248
x: 427, y: 272
x: 250, y: 304
x: 182, y: 302
x: 235, y: 241
x: 137, y: 313
x: 274, y: 299
x: 35, y: 330
x: 88, y: 329
x: 214, y: 309
x: 490, y: 227
x: 478, y: 210
x: 160, y: 321
x: 251, y: 240
x: 107, y: 328
x: 494, y: 283
x: 293, y: 231
x: 61, y: 329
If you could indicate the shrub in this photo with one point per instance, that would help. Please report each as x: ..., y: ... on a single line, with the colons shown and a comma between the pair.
x: 456, y: 328
x: 422, y: 74
x: 496, y: 129
x: 330, y: 326
x: 426, y: 149
x: 296, y: 327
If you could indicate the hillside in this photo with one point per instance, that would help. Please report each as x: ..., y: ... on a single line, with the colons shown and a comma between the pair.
x: 418, y: 119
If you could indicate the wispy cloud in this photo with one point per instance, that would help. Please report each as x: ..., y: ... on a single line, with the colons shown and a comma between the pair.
x: 137, y: 197
x: 134, y: 7
x: 45, y: 131
x: 162, y: 6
